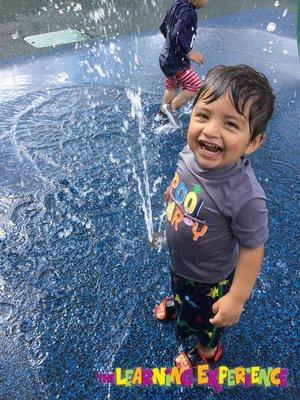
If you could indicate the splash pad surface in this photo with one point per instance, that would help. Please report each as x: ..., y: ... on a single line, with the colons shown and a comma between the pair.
x: 78, y: 277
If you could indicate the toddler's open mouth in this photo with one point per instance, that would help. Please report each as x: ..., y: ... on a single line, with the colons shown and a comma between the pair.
x: 210, y: 148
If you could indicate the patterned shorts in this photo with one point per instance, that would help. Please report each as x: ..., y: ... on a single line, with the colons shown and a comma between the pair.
x: 194, y: 303
x: 186, y: 79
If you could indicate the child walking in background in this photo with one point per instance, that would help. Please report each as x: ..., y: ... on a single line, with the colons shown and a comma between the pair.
x: 179, y: 28
x: 217, y: 222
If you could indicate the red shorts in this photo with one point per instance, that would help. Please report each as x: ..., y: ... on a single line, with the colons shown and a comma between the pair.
x: 186, y: 79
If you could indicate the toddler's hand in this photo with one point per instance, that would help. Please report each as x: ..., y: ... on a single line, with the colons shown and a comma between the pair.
x: 196, y: 57
x: 228, y: 311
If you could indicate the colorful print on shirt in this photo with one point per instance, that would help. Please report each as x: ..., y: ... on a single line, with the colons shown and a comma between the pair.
x: 184, y: 208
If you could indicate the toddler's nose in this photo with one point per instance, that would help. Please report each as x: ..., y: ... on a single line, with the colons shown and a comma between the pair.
x: 212, y: 129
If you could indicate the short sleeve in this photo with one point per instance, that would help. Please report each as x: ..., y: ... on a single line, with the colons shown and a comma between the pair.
x: 250, y: 225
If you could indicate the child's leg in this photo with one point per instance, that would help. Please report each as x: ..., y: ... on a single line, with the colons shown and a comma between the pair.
x: 169, y: 96
x: 208, y: 351
x: 190, y: 82
x: 183, y: 97
x: 167, y: 109
x: 194, y: 309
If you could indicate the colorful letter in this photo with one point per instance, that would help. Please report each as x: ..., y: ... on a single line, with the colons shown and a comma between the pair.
x: 190, y: 202
x: 137, y: 376
x: 159, y: 376
x: 200, y: 233
x: 213, y: 380
x: 175, y: 180
x: 222, y: 374
x: 118, y: 378
x: 147, y: 377
x: 239, y: 375
x: 230, y: 377
x: 180, y: 192
x: 170, y: 210
x: 255, y: 375
x: 201, y: 374
x: 176, y: 218
x: 128, y: 375
x: 186, y: 377
x: 264, y: 377
x: 105, y: 378
x: 283, y: 374
x: 275, y: 380
x: 175, y: 375
x: 247, y: 377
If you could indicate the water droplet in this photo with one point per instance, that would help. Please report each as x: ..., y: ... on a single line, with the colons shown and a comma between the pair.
x: 271, y: 27
x: 2, y: 286
x: 112, y: 159
x: 77, y: 7
x: 126, y: 124
x: 88, y: 224
x: 39, y: 358
x: 6, y: 310
x: 2, y: 234
x: 15, y: 35
x: 26, y: 326
x: 99, y: 70
x: 66, y: 231
x: 48, y: 279
x: 62, y: 77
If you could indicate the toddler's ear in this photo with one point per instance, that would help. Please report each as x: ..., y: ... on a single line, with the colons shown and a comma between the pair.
x: 256, y: 143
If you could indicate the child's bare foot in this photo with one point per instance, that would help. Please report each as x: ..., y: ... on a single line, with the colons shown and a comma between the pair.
x: 160, y: 312
x: 198, y: 355
x: 165, y: 311
x: 182, y: 361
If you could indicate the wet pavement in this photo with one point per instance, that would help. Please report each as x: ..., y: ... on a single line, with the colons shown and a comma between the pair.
x: 98, y: 18
x: 78, y: 278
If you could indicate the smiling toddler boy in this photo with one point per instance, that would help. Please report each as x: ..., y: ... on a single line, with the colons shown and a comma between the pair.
x: 217, y: 222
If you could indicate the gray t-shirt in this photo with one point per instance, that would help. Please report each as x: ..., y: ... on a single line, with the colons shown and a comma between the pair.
x: 209, y: 214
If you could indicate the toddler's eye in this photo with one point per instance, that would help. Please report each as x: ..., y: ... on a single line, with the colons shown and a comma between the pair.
x: 232, y: 124
x: 202, y: 117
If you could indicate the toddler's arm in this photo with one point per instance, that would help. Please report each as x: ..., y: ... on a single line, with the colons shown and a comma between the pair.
x: 195, y: 56
x: 229, y: 308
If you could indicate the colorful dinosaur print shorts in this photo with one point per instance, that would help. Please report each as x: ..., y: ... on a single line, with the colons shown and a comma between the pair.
x: 194, y: 303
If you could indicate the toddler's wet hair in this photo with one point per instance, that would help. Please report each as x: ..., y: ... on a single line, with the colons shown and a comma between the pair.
x: 248, y: 88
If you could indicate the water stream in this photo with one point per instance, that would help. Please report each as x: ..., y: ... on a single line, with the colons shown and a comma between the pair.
x: 143, y: 184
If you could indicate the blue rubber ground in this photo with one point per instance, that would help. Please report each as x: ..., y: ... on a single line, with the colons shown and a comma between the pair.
x: 78, y: 279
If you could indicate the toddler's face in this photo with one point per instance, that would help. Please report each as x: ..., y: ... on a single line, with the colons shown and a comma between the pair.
x: 218, y: 135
